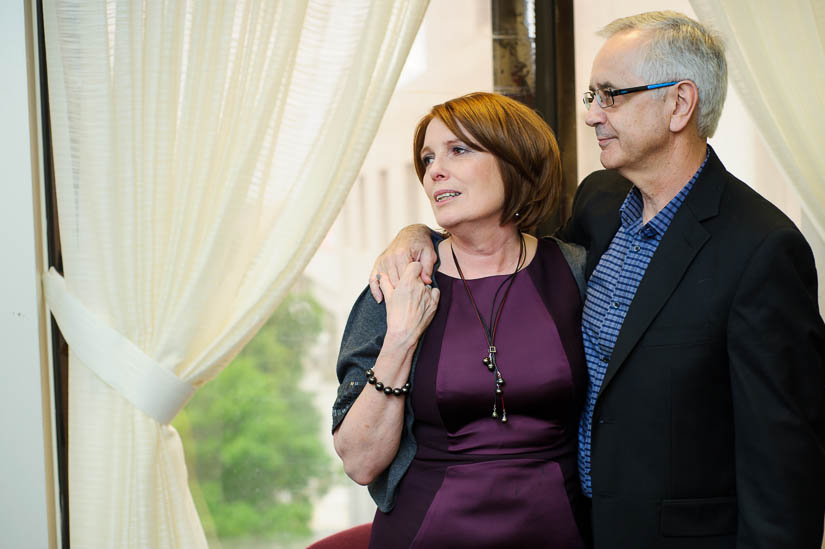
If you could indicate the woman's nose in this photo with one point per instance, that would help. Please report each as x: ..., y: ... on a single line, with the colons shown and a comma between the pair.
x: 438, y: 170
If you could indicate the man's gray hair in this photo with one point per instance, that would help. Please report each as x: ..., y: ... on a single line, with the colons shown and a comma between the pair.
x: 680, y: 48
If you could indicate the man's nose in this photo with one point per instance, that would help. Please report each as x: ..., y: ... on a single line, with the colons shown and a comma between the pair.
x: 595, y: 115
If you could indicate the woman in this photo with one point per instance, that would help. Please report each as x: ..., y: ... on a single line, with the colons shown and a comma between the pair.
x: 470, y: 438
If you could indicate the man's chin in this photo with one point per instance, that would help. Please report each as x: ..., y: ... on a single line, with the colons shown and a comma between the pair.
x: 609, y: 161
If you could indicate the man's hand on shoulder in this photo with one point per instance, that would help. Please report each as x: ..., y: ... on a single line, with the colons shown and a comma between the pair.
x: 413, y: 243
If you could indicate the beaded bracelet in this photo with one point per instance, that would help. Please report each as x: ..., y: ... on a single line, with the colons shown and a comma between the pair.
x: 387, y: 390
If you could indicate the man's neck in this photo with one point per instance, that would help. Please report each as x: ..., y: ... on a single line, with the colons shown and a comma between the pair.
x: 666, y: 175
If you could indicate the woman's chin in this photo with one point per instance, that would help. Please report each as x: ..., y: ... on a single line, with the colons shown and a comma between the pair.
x: 467, y: 228
x: 447, y: 223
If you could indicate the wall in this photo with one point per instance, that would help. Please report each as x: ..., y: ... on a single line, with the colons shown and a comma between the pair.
x: 26, y: 501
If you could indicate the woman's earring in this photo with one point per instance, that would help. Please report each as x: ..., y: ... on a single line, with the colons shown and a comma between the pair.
x: 517, y: 214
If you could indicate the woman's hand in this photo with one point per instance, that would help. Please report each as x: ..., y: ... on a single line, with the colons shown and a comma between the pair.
x: 411, y: 306
x: 413, y: 243
x: 369, y: 436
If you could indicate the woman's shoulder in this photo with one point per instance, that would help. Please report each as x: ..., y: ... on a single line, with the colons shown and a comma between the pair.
x: 575, y: 255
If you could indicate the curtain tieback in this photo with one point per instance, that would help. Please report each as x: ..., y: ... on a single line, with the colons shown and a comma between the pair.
x: 115, y: 359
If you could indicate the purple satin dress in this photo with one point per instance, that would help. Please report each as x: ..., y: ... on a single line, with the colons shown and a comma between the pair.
x: 476, y: 482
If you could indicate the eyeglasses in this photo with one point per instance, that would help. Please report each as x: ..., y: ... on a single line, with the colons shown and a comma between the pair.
x: 605, y: 96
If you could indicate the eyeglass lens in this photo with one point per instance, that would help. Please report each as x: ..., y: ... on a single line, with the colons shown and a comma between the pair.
x: 601, y: 96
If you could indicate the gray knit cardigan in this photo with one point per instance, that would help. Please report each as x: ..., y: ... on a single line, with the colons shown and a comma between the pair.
x: 360, y: 345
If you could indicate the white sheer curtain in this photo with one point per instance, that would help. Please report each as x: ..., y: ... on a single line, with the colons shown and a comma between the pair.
x: 201, y: 149
x: 776, y: 53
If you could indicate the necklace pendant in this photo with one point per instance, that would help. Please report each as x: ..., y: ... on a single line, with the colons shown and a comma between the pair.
x: 490, y: 359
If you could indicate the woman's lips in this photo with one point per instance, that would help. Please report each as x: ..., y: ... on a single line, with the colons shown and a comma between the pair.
x: 445, y: 195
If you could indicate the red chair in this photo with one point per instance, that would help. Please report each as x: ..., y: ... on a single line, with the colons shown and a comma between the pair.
x: 357, y: 537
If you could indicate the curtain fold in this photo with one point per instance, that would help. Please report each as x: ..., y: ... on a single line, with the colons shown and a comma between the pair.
x: 201, y: 150
x: 776, y: 52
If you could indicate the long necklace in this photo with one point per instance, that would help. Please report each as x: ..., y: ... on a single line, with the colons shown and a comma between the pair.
x: 490, y: 330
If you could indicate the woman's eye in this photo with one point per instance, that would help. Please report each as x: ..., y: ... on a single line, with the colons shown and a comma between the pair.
x: 427, y: 159
x: 457, y: 149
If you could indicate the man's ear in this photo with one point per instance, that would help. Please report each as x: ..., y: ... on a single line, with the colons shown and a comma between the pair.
x: 687, y: 102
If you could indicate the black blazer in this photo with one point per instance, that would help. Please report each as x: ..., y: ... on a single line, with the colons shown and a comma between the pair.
x: 708, y: 429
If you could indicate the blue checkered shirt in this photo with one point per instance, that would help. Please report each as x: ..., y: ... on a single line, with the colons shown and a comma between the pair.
x: 610, y: 291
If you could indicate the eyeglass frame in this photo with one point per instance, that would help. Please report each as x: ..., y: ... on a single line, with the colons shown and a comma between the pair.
x: 593, y: 95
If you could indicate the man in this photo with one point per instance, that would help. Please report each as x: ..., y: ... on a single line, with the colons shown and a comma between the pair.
x: 705, y: 416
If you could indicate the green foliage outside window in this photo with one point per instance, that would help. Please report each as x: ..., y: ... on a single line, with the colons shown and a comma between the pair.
x: 252, y: 435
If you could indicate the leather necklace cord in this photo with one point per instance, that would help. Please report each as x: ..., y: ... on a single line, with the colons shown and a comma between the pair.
x: 490, y: 331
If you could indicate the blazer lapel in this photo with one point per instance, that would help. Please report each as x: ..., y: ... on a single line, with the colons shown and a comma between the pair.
x: 680, y: 244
